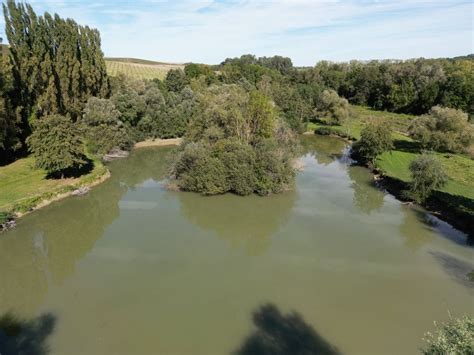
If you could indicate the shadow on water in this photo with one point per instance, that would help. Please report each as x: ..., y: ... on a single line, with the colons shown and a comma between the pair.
x: 432, y: 223
x: 25, y: 337
x: 283, y: 334
x: 459, y: 270
x: 247, y: 221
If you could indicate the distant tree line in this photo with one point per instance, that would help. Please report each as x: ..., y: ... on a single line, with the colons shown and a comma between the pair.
x: 411, y: 86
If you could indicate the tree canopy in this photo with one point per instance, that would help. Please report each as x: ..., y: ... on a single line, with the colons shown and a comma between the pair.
x: 236, y: 144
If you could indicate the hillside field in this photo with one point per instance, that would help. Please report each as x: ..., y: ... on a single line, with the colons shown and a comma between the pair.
x: 139, y: 69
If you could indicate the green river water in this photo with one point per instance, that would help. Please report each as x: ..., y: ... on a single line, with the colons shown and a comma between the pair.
x: 132, y: 268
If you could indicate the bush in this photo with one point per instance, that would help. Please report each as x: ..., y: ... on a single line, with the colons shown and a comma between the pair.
x: 57, y: 146
x: 332, y: 108
x: 454, y: 337
x: 375, y: 139
x: 427, y: 175
x: 323, y: 131
x: 443, y: 129
x: 197, y: 171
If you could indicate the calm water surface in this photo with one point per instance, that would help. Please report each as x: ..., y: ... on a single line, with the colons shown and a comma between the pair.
x: 132, y: 268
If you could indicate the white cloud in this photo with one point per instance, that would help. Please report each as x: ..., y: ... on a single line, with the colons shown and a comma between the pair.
x: 307, y: 31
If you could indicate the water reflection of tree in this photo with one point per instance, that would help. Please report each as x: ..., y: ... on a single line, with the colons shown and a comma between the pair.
x: 414, y: 229
x: 145, y: 163
x: 367, y: 198
x: 46, y: 246
x: 324, y: 149
x: 279, y: 334
x: 28, y: 337
x: 249, y: 221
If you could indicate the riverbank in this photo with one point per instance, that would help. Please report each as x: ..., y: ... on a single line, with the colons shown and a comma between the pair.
x: 24, y: 188
x: 453, y: 204
x: 455, y: 210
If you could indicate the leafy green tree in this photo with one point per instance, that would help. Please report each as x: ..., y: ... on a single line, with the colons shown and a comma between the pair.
x: 57, y: 146
x: 332, y: 108
x: 427, y: 175
x: 443, y: 129
x: 130, y: 104
x: 176, y: 80
x: 103, y: 129
x: 375, y: 139
x: 453, y: 337
x: 56, y: 64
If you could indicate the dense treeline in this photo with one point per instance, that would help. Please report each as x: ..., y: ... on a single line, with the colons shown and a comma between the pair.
x: 411, y: 86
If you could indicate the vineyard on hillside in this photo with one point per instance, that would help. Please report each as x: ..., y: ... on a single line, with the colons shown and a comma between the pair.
x: 139, y: 70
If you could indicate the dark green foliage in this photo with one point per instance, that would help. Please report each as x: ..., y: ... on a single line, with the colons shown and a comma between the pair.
x: 130, y: 104
x: 198, y: 171
x: 56, y: 65
x: 10, y: 131
x: 443, y: 129
x: 427, y: 174
x: 103, y: 129
x: 194, y: 71
x: 176, y: 80
x: 375, y: 139
x: 235, y: 144
x: 56, y: 145
x: 323, y: 131
x: 412, y: 86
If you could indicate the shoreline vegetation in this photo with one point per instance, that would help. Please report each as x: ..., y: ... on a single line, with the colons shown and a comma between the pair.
x: 17, y: 208
x: 453, y: 203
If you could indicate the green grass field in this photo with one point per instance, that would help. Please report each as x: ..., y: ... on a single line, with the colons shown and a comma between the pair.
x: 145, y: 70
x: 22, y: 186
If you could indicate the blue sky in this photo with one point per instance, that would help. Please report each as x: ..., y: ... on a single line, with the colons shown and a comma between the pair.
x: 208, y: 31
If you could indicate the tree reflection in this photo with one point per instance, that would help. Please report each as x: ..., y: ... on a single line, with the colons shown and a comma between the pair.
x: 324, y: 149
x: 144, y: 164
x: 367, y: 198
x: 46, y: 245
x: 28, y: 337
x: 243, y: 221
x: 279, y: 334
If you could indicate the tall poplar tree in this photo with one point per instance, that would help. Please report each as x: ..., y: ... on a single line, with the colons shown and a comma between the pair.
x: 56, y: 64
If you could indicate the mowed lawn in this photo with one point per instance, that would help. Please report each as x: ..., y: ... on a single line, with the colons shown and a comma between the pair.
x: 140, y: 70
x: 21, y: 183
x: 458, y: 168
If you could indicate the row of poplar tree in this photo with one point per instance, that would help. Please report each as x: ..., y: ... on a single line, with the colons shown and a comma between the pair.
x: 53, y: 66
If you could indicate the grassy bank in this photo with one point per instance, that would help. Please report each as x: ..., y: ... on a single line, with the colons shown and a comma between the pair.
x: 456, y: 198
x: 24, y: 188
